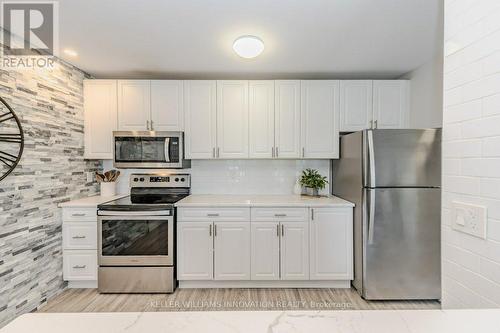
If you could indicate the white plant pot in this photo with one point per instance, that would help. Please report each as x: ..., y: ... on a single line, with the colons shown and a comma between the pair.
x: 108, y: 189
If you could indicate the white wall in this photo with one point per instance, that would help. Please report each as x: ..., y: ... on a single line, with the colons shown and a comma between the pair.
x: 426, y: 93
x: 238, y: 176
x: 471, y: 150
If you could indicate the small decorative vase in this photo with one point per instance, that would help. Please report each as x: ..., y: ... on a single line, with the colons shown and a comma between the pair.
x: 108, y: 189
x: 313, y: 192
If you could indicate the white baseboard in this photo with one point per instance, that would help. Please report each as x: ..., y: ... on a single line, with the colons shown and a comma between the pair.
x: 82, y: 284
x: 265, y: 284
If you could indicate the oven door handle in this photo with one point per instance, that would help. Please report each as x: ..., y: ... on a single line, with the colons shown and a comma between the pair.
x: 167, y: 149
x: 166, y: 212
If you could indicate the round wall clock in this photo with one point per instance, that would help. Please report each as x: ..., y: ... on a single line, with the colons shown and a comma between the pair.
x: 11, y: 139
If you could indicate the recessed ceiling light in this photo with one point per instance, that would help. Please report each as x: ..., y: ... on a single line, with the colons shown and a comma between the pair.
x: 70, y: 52
x: 248, y: 46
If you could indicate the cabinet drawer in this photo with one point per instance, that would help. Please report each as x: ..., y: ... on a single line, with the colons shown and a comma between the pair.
x: 279, y: 214
x: 79, y: 214
x: 214, y: 214
x: 80, y: 235
x: 80, y: 265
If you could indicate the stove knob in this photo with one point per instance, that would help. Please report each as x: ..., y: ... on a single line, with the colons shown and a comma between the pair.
x: 141, y: 179
x: 136, y: 179
x: 176, y: 179
x: 182, y: 179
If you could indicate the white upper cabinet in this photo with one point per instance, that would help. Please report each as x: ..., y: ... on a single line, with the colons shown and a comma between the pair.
x: 167, y: 111
x: 261, y: 119
x: 200, y: 114
x: 356, y: 105
x: 232, y: 119
x: 331, y: 244
x: 232, y: 250
x: 134, y: 97
x: 287, y: 119
x: 100, y: 111
x: 391, y: 103
x: 320, y: 118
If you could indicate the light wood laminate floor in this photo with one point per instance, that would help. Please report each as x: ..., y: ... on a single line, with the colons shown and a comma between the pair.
x: 89, y: 300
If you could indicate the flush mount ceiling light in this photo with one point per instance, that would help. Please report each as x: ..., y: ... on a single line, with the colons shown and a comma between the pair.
x: 248, y: 46
x: 70, y: 52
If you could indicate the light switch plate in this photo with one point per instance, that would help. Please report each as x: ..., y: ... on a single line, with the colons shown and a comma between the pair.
x: 90, y: 176
x: 469, y: 219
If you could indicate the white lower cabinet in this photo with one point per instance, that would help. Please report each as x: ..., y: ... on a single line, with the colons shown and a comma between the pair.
x: 195, y: 251
x: 265, y: 258
x: 331, y: 244
x: 282, y: 245
x: 294, y: 250
x: 232, y: 250
x: 80, y: 265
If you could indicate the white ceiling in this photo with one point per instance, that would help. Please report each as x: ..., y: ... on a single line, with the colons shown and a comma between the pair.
x: 303, y: 38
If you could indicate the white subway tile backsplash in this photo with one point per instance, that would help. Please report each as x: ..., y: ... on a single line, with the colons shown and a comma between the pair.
x: 471, y: 151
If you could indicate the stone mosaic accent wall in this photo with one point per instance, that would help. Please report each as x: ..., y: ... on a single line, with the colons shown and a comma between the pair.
x: 52, y: 170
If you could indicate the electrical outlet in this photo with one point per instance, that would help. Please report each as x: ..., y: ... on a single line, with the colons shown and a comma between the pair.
x: 90, y: 176
x: 469, y: 219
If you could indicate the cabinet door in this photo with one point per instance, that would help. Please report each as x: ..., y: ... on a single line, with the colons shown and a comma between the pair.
x: 232, y: 250
x: 294, y: 251
x: 232, y: 119
x: 331, y: 244
x: 194, y: 251
x: 100, y: 112
x: 287, y: 118
x: 261, y: 117
x: 134, y: 108
x: 167, y: 110
x: 265, y: 250
x: 356, y: 105
x: 320, y: 119
x: 391, y: 103
x: 200, y: 119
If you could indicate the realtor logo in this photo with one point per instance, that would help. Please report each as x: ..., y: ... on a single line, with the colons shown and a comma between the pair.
x: 29, y: 31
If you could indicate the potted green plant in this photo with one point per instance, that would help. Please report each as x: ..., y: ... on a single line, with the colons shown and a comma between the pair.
x: 312, y: 181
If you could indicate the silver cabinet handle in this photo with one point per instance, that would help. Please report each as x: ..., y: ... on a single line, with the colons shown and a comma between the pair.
x: 277, y: 230
x: 312, y: 213
x: 272, y: 151
x: 210, y: 231
x: 79, y: 266
x: 152, y: 125
x: 282, y: 230
x: 376, y: 124
x: 303, y: 152
x: 78, y: 214
x: 215, y: 230
x: 218, y: 152
x: 279, y: 215
x: 212, y: 214
x: 371, y: 124
x: 213, y: 152
x: 79, y: 237
x: 147, y: 124
x: 277, y: 154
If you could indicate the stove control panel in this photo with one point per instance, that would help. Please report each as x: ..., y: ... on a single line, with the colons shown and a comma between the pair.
x: 160, y: 180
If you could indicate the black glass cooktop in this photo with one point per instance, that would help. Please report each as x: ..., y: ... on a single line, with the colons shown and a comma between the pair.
x: 142, y: 202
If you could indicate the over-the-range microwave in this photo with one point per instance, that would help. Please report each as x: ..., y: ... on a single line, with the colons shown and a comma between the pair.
x: 149, y: 150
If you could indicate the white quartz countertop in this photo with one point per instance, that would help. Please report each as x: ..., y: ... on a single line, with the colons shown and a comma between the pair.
x: 210, y: 200
x: 90, y: 202
x: 370, y: 321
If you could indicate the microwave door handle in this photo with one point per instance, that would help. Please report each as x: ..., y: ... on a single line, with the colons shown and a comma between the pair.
x: 167, y: 149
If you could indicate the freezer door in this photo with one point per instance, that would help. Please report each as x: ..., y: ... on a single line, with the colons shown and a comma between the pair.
x: 401, y: 244
x: 403, y: 158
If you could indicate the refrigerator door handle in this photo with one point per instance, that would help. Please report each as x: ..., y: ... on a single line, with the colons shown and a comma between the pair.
x: 371, y: 217
x: 371, y: 157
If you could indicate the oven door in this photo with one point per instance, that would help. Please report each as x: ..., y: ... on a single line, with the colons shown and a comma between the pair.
x: 148, y: 149
x: 136, y: 240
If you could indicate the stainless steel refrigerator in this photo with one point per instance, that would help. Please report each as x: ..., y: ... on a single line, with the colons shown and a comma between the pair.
x: 394, y: 178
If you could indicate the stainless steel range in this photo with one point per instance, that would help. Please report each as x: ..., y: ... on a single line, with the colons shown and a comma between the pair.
x: 136, y: 235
